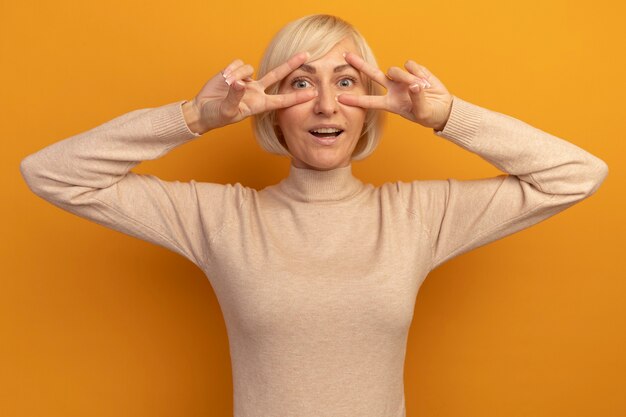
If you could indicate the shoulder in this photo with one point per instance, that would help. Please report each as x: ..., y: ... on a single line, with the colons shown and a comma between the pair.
x: 416, y: 197
x: 235, y: 194
x: 407, y: 190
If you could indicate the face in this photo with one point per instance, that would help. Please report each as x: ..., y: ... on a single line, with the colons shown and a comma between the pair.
x: 322, y: 133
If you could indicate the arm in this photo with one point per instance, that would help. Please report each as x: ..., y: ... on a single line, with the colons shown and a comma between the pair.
x: 89, y: 174
x: 546, y: 175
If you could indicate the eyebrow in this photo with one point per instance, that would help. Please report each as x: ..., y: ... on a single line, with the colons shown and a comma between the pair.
x: 311, y: 70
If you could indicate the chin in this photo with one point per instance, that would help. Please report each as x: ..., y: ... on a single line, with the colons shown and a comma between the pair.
x: 321, y: 164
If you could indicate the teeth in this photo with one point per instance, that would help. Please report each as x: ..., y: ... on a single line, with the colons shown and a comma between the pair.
x: 326, y: 130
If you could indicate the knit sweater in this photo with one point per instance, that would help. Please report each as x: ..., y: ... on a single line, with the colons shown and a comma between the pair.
x: 317, y: 275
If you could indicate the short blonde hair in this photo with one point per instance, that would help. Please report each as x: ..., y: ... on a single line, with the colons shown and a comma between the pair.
x: 317, y: 34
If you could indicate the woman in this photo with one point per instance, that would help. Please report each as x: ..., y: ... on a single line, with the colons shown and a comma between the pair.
x: 317, y: 275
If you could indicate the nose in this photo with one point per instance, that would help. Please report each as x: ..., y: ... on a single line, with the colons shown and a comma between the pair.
x: 325, y: 103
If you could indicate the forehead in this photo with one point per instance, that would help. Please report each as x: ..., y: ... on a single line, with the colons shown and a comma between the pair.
x: 335, y: 55
x: 333, y: 60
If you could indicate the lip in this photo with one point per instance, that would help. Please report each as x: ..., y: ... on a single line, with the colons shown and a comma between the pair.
x: 326, y: 141
x: 321, y: 126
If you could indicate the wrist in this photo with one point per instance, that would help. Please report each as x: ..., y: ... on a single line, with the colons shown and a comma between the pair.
x: 192, y: 117
x: 443, y: 124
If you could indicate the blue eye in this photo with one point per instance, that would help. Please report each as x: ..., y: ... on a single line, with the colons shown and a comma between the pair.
x: 299, y: 83
x: 346, y: 82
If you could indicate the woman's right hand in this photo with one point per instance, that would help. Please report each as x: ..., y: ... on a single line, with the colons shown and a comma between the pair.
x: 232, y: 95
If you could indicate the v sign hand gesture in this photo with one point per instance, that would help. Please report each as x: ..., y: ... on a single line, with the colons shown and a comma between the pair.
x: 416, y: 95
x: 232, y: 95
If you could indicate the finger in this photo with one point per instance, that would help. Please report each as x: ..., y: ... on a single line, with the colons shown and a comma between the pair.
x: 416, y: 93
x: 369, y: 70
x: 416, y: 69
x: 397, y: 74
x: 367, y: 102
x: 279, y: 101
x: 243, y: 72
x: 236, y: 92
x: 231, y: 67
x: 284, y: 69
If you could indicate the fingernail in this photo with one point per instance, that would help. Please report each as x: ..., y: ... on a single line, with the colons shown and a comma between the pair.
x: 415, y: 87
x: 422, y: 83
x: 344, y: 54
x: 228, y: 80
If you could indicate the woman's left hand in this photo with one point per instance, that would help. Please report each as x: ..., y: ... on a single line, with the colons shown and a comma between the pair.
x: 416, y: 95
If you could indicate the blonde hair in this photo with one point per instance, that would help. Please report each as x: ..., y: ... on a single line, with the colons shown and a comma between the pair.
x: 317, y: 34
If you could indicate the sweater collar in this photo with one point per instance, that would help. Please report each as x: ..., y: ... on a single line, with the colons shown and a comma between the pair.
x: 309, y: 185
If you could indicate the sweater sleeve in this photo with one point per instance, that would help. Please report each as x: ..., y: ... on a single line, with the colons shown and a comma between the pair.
x: 544, y: 175
x: 89, y: 175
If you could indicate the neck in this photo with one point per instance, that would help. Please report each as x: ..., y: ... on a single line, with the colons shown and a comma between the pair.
x: 310, y: 185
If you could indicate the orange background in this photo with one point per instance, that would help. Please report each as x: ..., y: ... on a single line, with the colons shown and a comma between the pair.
x: 96, y: 323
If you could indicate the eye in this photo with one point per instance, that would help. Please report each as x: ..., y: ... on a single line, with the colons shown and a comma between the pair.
x: 346, y: 82
x: 300, y: 83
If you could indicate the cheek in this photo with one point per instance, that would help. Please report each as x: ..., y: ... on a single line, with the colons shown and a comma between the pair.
x: 356, y: 115
x: 287, y: 118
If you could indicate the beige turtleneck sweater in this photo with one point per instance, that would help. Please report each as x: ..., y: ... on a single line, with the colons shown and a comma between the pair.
x: 316, y: 276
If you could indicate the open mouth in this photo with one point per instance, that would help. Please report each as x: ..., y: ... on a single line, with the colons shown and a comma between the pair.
x: 326, y: 132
